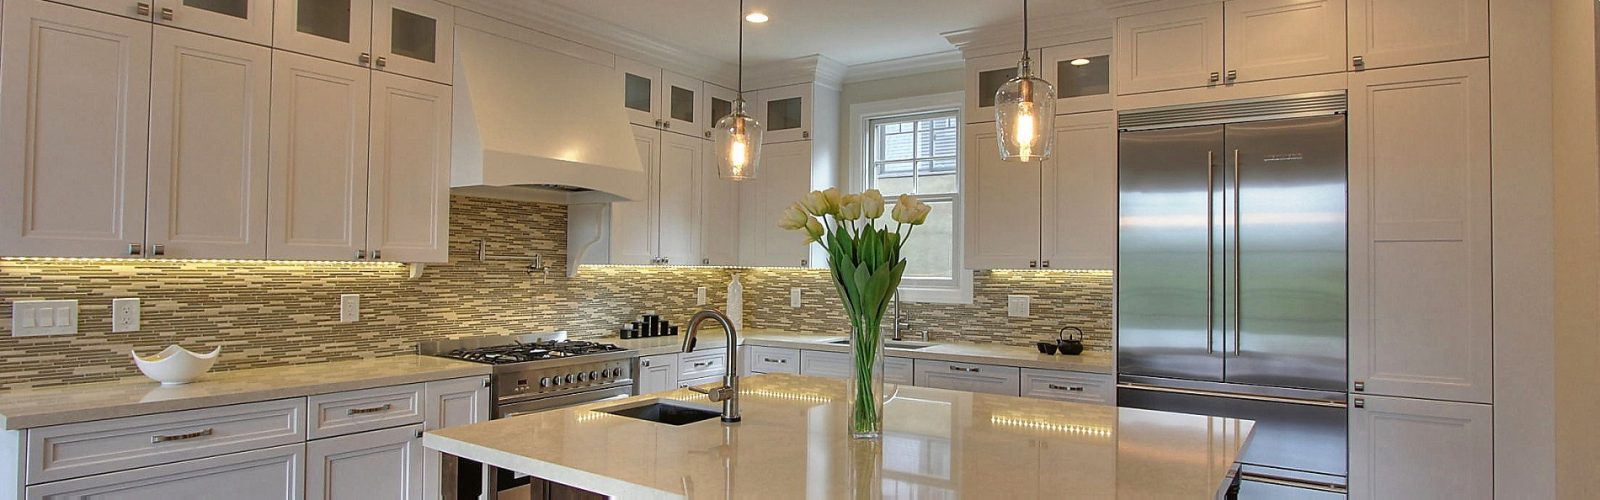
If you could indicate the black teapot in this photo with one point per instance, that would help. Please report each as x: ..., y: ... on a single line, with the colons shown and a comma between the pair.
x: 1070, y: 346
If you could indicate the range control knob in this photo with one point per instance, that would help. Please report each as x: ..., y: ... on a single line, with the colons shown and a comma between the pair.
x: 616, y: 372
x: 594, y: 375
x: 581, y: 377
x: 570, y: 378
x: 544, y: 382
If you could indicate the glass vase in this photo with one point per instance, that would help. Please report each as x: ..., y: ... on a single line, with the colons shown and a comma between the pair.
x: 866, y: 379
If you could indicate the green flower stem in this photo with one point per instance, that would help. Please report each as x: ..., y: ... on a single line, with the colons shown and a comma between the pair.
x: 864, y: 418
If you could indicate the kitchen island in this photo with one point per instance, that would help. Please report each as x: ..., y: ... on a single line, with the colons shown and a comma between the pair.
x: 937, y: 444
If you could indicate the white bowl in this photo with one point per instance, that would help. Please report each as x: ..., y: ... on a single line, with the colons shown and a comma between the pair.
x: 176, y: 365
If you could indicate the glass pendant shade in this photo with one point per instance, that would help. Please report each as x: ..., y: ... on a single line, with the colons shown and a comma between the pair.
x: 738, y: 144
x: 1025, y: 114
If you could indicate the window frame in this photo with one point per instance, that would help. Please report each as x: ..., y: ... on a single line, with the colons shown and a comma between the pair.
x: 958, y: 288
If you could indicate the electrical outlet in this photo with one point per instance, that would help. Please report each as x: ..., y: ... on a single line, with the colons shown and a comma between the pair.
x: 349, y: 308
x: 31, y: 318
x: 125, y: 315
x: 1017, y: 305
x: 700, y: 296
x: 794, y: 297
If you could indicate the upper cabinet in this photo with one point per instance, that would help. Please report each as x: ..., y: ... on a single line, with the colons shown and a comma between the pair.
x: 414, y: 38
x: 785, y: 177
x: 662, y: 99
x: 986, y: 74
x: 1081, y: 73
x: 340, y: 30
x: 1002, y: 205
x: 663, y: 228
x: 719, y: 215
x: 318, y: 198
x: 1226, y: 43
x: 408, y: 178
x: 718, y: 103
x: 74, y: 118
x: 786, y: 112
x: 682, y: 110
x: 1386, y: 33
x: 641, y: 92
x: 243, y: 20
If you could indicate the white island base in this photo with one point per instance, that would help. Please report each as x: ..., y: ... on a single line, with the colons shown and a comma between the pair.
x: 937, y: 443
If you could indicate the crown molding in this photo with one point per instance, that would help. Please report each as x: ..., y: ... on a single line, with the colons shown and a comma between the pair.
x: 1063, y: 29
x: 815, y: 68
x: 561, y: 22
x: 905, y: 66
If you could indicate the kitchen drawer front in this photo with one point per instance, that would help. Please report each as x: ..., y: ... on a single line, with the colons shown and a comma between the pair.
x: 269, y: 474
x: 973, y: 377
x: 1077, y: 387
x: 356, y: 411
x: 826, y: 364
x: 700, y: 364
x: 774, y: 360
x: 696, y: 382
x: 75, y: 450
x: 898, y: 371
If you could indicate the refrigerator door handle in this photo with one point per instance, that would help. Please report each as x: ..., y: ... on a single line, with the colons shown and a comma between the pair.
x: 1211, y: 244
x: 1238, y: 275
x: 1233, y: 395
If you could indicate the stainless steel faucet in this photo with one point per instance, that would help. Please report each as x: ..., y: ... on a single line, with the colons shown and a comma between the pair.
x: 899, y: 323
x: 728, y: 394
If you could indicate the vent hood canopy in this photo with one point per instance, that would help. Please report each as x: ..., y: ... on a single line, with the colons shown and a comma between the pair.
x: 531, y: 117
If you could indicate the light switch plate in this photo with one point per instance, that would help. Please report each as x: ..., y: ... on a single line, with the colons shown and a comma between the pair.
x: 125, y: 315
x: 1017, y: 305
x: 349, y: 308
x: 33, y: 318
x: 794, y: 297
x: 700, y: 296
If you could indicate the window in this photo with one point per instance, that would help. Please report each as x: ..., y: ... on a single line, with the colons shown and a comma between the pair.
x: 913, y: 146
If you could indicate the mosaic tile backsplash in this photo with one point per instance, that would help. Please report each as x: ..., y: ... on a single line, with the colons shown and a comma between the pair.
x: 270, y: 314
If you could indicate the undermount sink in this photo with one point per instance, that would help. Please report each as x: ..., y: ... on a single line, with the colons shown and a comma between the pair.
x: 892, y: 344
x: 663, y: 411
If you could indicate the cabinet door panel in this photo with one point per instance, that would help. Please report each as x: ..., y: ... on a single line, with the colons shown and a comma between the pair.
x: 415, y: 38
x: 657, y: 373
x: 641, y: 92
x: 1002, y: 205
x: 719, y: 214
x: 718, y: 103
x: 678, y: 199
x: 1082, y: 75
x: 1386, y: 33
x: 208, y: 146
x: 1420, y: 299
x: 408, y: 191
x: 634, y: 234
x: 1003, y: 380
x: 1412, y: 448
x: 984, y: 76
x: 785, y: 178
x: 268, y: 474
x: 340, y: 30
x: 377, y: 464
x: 74, y: 118
x: 1173, y: 49
x: 243, y: 20
x: 317, y: 197
x: 827, y: 364
x: 786, y: 112
x: 682, y: 108
x: 449, y: 403
x: 1269, y: 39
x: 1080, y: 194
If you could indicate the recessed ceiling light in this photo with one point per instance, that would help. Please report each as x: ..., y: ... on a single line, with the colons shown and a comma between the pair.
x: 1080, y: 62
x: 756, y: 17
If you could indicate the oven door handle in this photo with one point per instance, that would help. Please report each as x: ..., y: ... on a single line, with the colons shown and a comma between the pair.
x: 565, y: 400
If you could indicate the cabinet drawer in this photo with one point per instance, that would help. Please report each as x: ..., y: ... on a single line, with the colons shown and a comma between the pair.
x: 973, y: 377
x: 774, y: 360
x: 269, y: 474
x: 701, y: 364
x: 898, y: 371
x: 1068, y: 386
x: 365, y: 410
x: 76, y: 450
x: 826, y: 364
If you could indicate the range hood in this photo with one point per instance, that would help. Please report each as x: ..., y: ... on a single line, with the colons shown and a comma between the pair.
x: 526, y: 117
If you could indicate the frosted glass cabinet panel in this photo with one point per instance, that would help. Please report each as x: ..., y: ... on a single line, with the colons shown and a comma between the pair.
x: 243, y: 20
x: 340, y: 30
x: 1081, y: 73
x: 786, y: 112
x: 414, y: 38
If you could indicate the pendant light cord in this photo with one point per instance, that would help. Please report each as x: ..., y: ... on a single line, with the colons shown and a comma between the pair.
x: 1024, y: 26
x: 741, y: 48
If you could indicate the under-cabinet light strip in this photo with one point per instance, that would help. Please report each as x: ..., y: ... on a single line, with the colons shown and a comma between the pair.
x: 131, y: 261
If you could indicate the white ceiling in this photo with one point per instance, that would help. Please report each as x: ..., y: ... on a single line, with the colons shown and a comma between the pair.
x: 849, y: 31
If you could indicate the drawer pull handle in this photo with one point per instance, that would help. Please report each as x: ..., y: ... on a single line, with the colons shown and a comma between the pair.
x: 374, y: 409
x: 1073, y: 388
x: 955, y: 368
x: 162, y: 438
x: 772, y: 360
x: 703, y: 363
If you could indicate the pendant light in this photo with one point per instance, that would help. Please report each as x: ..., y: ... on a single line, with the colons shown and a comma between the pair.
x: 738, y: 136
x: 1025, y: 110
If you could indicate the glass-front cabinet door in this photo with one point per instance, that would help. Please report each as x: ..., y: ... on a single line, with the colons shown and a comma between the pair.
x: 413, y: 38
x: 985, y: 75
x: 243, y: 20
x: 340, y: 30
x: 683, y: 111
x: 786, y: 112
x: 641, y: 92
x: 718, y: 103
x: 1081, y: 73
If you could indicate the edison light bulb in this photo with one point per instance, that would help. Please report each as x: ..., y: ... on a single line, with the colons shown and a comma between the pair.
x: 738, y: 141
x: 738, y: 155
x: 1026, y: 134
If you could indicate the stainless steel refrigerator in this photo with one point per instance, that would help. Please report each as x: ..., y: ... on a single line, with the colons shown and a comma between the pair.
x: 1231, y: 278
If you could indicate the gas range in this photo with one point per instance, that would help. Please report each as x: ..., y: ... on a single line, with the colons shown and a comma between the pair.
x: 541, y: 371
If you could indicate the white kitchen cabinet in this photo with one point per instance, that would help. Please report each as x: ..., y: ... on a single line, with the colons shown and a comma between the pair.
x: 786, y: 112
x: 317, y: 200
x: 74, y: 121
x: 985, y: 75
x: 339, y: 30
x: 375, y: 464
x: 1268, y: 39
x: 657, y: 373
x: 898, y: 371
x: 1170, y: 49
x: 702, y: 363
x: 678, y: 199
x: 1002, y: 206
x: 1079, y: 201
x: 209, y: 118
x: 265, y: 474
x: 1081, y: 73
x: 1076, y: 387
x: 826, y: 364
x: 718, y: 103
x: 1387, y: 33
x: 450, y: 403
x: 641, y: 92
x: 633, y: 223
x: 1414, y: 448
x: 243, y: 20
x: 719, y: 213
x: 1420, y: 266
x: 764, y: 359
x: 414, y: 38
x: 136, y: 9
x: 682, y: 109
x: 408, y: 178
x: 784, y: 178
x: 971, y: 377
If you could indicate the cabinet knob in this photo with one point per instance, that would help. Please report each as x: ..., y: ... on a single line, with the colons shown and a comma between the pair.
x: 142, y: 9
x: 1360, y: 402
x: 705, y: 261
x: 1215, y: 77
x: 382, y: 61
x: 1358, y: 62
x: 361, y: 254
x: 1360, y: 386
x: 1233, y: 74
x: 805, y: 134
x: 1033, y: 264
x: 135, y: 249
x: 708, y: 134
x: 665, y: 260
x: 166, y: 14
x: 804, y: 262
x: 377, y: 254
x: 158, y: 250
x: 666, y: 124
x: 364, y: 58
x: 1044, y: 264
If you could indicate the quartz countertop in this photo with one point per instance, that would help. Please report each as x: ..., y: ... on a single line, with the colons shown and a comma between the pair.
x: 960, y: 352
x: 937, y: 444
x: 138, y: 395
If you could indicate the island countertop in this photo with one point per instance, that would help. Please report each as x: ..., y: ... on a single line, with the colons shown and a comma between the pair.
x: 937, y: 443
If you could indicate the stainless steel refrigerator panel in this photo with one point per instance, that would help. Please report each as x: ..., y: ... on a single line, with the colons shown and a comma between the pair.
x: 1287, y: 265
x: 1165, y: 236
x: 1295, y: 436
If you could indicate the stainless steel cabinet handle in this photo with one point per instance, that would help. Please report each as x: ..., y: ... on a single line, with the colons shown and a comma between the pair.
x: 361, y: 254
x: 1233, y: 74
x: 805, y: 134
x: 705, y: 363
x: 158, y: 250
x: 772, y: 360
x: 804, y: 262
x: 1033, y: 264
x: 1211, y: 244
x: 141, y: 8
x: 374, y: 409
x: 708, y: 134
x: 1238, y: 275
x: 1359, y: 402
x: 644, y: 363
x: 1361, y: 386
x: 162, y: 438
x: 377, y: 254
x: 166, y: 14
x: 1358, y: 62
x: 1215, y: 76
x: 419, y: 433
x: 382, y: 61
x: 1072, y: 388
x: 364, y: 58
x: 135, y: 249
x: 955, y: 368
x: 666, y: 123
x: 1044, y: 264
x: 665, y: 260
